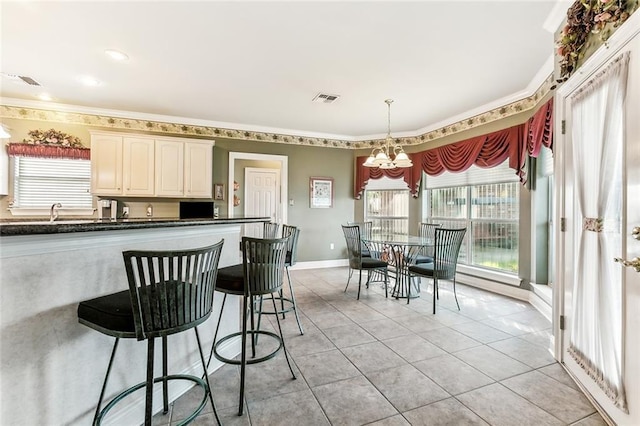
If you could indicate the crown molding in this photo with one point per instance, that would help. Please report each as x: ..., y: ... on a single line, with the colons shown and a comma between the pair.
x: 505, y: 107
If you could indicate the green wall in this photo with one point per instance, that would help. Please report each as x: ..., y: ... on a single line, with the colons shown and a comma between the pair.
x: 319, y: 228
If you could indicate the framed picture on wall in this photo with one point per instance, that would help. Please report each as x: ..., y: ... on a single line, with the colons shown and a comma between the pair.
x: 218, y: 191
x: 320, y: 192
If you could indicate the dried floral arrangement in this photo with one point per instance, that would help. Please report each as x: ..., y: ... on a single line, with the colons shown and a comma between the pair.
x: 586, y: 17
x: 52, y: 137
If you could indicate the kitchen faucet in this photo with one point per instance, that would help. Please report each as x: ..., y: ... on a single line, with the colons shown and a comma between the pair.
x: 53, y: 214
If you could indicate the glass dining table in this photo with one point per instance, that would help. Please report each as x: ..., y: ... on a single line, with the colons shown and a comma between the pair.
x: 399, y: 251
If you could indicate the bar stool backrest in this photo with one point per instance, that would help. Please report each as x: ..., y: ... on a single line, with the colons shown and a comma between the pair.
x: 292, y: 233
x: 446, y: 250
x: 263, y: 264
x: 354, y: 245
x: 171, y: 291
x: 270, y: 230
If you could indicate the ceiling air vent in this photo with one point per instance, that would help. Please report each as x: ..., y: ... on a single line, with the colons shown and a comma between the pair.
x: 29, y: 80
x: 324, y: 98
x: 21, y: 78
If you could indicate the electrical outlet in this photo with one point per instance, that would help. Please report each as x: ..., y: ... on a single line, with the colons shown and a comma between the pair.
x: 331, y: 246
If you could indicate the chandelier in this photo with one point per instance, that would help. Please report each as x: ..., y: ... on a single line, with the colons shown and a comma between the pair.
x: 390, y: 155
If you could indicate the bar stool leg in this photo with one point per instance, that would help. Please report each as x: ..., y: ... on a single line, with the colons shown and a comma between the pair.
x: 165, y: 373
x: 106, y: 377
x: 293, y: 299
x: 149, y: 388
x: 215, y: 335
x: 284, y: 348
x: 206, y: 376
x: 243, y: 356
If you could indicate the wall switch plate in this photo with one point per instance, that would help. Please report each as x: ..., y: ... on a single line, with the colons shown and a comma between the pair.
x: 331, y: 246
x: 291, y: 202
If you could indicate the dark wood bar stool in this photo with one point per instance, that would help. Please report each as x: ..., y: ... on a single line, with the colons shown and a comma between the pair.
x: 260, y: 274
x: 169, y: 292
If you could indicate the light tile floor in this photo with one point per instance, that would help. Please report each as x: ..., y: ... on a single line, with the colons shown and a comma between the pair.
x: 378, y: 361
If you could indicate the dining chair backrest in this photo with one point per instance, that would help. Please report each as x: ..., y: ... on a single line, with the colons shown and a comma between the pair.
x: 354, y: 245
x: 270, y: 230
x: 428, y: 231
x: 446, y: 251
x: 291, y: 232
x: 263, y: 264
x: 171, y: 291
x: 365, y: 228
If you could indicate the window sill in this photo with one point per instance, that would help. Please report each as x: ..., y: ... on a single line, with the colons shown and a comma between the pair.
x: 36, y: 211
x: 499, y: 277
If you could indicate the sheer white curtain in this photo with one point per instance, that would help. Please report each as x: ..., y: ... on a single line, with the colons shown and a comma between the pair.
x: 598, y: 140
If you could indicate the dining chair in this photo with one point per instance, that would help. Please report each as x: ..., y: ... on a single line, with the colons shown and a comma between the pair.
x: 359, y: 262
x: 428, y: 232
x: 365, y: 232
x: 169, y: 292
x: 260, y: 274
x: 446, y: 249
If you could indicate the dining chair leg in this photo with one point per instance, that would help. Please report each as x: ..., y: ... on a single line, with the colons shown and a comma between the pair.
x: 359, y: 284
x: 408, y: 288
x: 454, y: 292
x: 435, y: 291
x: 348, y: 279
x: 386, y: 284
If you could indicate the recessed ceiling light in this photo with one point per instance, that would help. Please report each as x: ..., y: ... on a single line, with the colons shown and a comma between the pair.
x: 45, y: 97
x: 90, y: 81
x: 116, y: 55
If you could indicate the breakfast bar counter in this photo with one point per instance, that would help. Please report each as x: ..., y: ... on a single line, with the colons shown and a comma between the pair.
x: 51, y: 366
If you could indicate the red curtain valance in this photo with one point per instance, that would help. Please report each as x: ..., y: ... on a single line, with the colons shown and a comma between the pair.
x: 513, y: 143
x: 48, y: 151
x: 366, y: 173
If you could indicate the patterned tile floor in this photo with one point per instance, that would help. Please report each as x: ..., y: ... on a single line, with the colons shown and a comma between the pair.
x: 378, y: 361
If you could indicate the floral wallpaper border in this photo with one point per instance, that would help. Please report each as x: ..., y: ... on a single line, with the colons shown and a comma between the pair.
x: 508, y: 110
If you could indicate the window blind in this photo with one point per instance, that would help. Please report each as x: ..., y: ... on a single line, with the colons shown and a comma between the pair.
x: 41, y: 182
x: 545, y: 161
x: 474, y: 175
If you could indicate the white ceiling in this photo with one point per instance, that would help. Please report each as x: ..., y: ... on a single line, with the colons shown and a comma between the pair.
x: 258, y: 65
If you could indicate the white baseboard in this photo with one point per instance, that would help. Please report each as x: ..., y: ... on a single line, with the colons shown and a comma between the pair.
x: 128, y: 411
x: 494, y: 287
x: 319, y: 264
x: 541, y: 305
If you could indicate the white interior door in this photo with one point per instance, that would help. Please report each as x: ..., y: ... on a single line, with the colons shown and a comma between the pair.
x: 262, y: 197
x: 600, y: 299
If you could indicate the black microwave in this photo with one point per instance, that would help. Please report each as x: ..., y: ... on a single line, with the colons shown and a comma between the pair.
x: 196, y: 209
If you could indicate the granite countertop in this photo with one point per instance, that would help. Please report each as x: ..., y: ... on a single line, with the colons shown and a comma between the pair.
x: 12, y: 227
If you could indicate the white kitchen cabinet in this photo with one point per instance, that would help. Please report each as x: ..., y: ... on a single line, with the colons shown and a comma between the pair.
x: 106, y: 164
x: 198, y: 167
x: 138, y: 168
x: 169, y: 168
x: 148, y: 166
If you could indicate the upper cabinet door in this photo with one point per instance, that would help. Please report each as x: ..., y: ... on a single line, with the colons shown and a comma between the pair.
x: 198, y: 166
x: 138, y: 166
x: 106, y: 164
x: 169, y: 168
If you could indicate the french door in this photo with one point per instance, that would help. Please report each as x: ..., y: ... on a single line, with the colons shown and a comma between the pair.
x: 598, y: 299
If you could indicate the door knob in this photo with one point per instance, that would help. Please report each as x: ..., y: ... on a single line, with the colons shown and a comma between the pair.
x: 634, y: 263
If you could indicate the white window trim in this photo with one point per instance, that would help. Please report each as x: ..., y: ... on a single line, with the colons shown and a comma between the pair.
x: 22, y: 212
